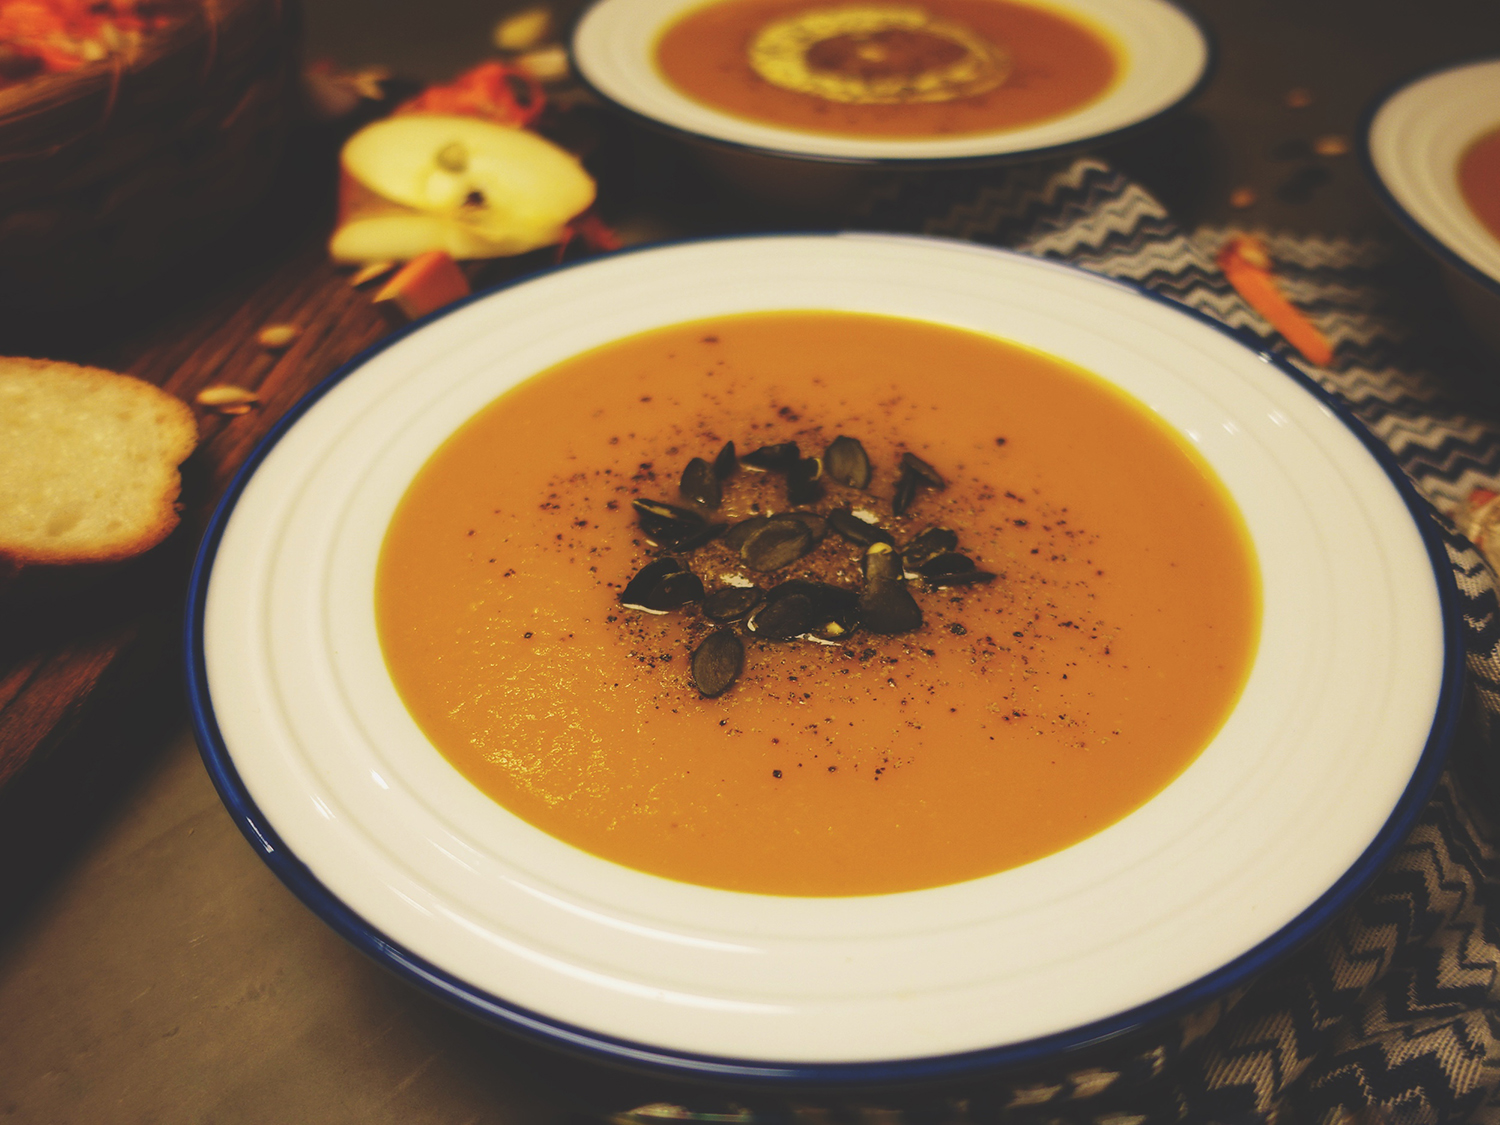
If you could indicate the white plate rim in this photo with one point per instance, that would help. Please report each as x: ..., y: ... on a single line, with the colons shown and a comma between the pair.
x: 1402, y: 206
x: 433, y: 978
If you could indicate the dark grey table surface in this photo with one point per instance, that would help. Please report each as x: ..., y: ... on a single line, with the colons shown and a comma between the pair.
x: 164, y: 975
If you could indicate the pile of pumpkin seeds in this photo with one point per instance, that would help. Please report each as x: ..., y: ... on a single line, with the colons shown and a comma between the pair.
x: 796, y: 608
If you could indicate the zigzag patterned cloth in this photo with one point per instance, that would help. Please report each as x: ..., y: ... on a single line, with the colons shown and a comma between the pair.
x: 1392, y: 1014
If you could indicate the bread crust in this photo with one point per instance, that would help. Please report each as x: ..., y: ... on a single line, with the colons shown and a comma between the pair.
x: 174, y: 434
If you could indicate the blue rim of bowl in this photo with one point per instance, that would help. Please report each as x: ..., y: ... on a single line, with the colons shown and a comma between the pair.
x: 907, y: 163
x: 1409, y: 222
x: 663, y: 1062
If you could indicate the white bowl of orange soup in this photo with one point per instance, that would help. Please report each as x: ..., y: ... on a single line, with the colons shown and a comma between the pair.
x: 1432, y: 148
x: 1200, y: 698
x: 892, y: 83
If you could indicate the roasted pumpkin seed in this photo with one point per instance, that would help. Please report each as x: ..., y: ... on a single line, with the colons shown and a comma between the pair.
x: 730, y: 603
x: 675, y: 591
x: 929, y: 545
x: 845, y: 461
x: 882, y: 563
x: 782, y: 618
x: 777, y: 457
x: 856, y: 530
x: 670, y: 526
x: 717, y: 662
x: 700, y: 485
x: 816, y: 524
x: 962, y: 578
x: 835, y: 609
x: 781, y: 541
x: 906, y: 492
x: 802, y: 485
x: 726, y: 462
x: 888, y: 607
x: 946, y: 563
x: 639, y: 588
x: 929, y: 475
x: 735, y: 537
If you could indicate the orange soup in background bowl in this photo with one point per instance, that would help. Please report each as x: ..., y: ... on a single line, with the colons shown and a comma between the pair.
x: 891, y: 82
x: 1076, y: 664
x: 1432, y: 150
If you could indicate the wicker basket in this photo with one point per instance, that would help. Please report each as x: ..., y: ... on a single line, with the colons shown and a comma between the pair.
x: 111, y: 172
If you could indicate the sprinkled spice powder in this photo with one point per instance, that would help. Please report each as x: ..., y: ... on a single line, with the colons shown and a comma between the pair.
x: 608, y: 686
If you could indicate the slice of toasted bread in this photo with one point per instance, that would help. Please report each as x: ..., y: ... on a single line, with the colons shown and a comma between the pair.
x: 88, y: 463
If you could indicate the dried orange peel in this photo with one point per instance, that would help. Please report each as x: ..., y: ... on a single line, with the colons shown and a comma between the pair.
x: 1247, y: 265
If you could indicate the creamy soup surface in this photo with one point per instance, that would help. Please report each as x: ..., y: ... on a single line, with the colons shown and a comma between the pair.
x: 1479, y: 179
x: 1022, y: 716
x: 941, y: 67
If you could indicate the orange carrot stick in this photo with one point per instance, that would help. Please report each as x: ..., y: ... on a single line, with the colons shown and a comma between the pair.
x: 1248, y: 267
x: 425, y: 284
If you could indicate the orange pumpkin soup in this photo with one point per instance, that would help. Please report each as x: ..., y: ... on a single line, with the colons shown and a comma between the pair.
x: 1479, y: 180
x: 1020, y: 716
x: 941, y: 67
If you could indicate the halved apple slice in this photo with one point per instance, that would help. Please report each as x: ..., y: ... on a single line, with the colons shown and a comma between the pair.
x: 373, y: 229
x: 476, y: 189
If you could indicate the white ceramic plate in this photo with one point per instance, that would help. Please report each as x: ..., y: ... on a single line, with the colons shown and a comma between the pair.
x: 1413, y: 143
x: 1164, y: 58
x: 1315, y: 777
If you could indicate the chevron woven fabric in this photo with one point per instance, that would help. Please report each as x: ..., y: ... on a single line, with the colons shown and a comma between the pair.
x: 1393, y: 1013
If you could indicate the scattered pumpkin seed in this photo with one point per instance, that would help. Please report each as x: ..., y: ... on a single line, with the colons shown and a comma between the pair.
x: 962, y: 578
x: 670, y: 526
x: 730, y: 603
x: 800, y: 607
x: 782, y: 618
x: 858, y: 531
x: 717, y: 662
x: 946, y: 563
x: 835, y: 609
x: 888, y: 607
x: 905, y: 493
x: 912, y: 463
x: 845, y: 461
x: 881, y: 563
x: 778, y: 457
x: 545, y: 64
x: 224, y: 399
x: 929, y: 544
x: 735, y: 537
x: 1334, y: 144
x: 802, y: 485
x: 816, y: 524
x: 781, y: 541
x: 675, y: 591
x: 700, y: 485
x: 657, y: 586
x: 523, y: 30
x: 726, y: 462
x: 276, y: 337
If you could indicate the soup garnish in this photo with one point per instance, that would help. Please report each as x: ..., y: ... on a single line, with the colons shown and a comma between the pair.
x: 942, y: 67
